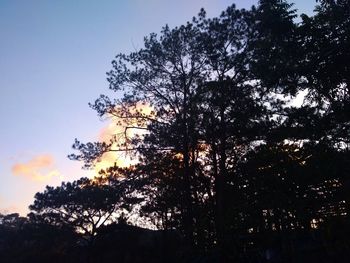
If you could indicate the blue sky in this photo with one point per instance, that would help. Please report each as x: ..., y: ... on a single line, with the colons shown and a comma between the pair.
x: 53, y: 59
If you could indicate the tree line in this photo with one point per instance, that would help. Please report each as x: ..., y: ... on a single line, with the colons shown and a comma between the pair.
x: 225, y: 157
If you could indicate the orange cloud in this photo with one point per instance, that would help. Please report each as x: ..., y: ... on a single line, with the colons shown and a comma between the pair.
x: 115, y: 130
x: 39, y: 168
x: 116, y: 126
x: 109, y: 159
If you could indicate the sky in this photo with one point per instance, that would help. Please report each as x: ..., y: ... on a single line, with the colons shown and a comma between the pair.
x: 53, y: 60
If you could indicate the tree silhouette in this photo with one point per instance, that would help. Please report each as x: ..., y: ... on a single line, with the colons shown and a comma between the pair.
x: 83, y: 204
x: 223, y: 156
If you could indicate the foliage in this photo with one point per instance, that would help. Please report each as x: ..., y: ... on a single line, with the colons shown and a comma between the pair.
x: 223, y: 155
x: 83, y: 204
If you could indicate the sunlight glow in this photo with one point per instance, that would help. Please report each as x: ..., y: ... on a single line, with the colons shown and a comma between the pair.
x: 119, y: 131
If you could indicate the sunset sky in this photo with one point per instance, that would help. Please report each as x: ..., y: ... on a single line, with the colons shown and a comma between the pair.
x: 53, y: 59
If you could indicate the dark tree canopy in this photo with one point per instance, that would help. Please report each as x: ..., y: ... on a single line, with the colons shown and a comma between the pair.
x: 83, y: 204
x: 225, y: 160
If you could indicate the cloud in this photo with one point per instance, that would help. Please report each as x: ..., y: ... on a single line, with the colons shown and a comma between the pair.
x: 115, y: 129
x: 108, y: 159
x: 116, y: 126
x: 39, y: 168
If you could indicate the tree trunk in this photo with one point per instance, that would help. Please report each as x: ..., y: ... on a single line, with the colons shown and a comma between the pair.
x: 188, y: 216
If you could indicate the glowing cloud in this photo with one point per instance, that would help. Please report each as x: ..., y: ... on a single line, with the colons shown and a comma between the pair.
x: 116, y: 129
x: 109, y: 159
x: 40, y: 168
